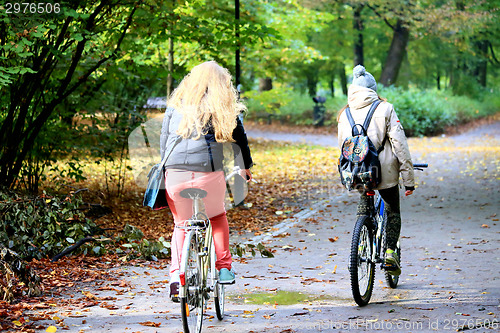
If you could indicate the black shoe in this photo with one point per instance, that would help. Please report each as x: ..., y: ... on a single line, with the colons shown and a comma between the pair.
x: 174, y: 292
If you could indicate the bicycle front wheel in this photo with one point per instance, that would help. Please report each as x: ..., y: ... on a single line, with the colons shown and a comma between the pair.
x: 191, y: 295
x: 361, y: 265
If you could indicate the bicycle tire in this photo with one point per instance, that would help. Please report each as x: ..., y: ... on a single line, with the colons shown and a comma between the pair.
x: 392, y: 280
x: 219, y: 292
x: 361, y: 265
x: 219, y: 300
x: 192, y: 302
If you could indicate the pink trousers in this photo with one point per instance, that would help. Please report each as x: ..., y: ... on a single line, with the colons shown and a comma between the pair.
x: 182, y: 209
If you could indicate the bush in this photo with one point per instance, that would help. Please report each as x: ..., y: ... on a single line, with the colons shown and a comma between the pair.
x: 422, y: 112
x: 45, y: 226
x: 290, y: 107
x: 36, y: 227
x: 429, y: 112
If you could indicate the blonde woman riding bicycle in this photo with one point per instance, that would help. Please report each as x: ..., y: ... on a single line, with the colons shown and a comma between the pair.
x: 202, y: 114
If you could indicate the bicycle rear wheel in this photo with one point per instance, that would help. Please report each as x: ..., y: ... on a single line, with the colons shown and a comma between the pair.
x: 192, y: 302
x: 361, y: 265
x: 392, y: 280
x: 219, y: 292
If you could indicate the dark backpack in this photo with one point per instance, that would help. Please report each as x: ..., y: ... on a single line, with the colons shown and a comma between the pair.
x: 359, y: 165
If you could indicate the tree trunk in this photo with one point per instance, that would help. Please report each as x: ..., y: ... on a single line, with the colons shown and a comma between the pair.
x: 396, y: 54
x: 238, y: 46
x: 170, y: 79
x: 438, y: 79
x: 265, y: 84
x: 312, y: 83
x: 358, y: 41
x: 481, y: 69
x: 343, y: 79
x: 332, y: 83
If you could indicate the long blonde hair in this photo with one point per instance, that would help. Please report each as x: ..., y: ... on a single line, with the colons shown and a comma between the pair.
x: 206, y: 97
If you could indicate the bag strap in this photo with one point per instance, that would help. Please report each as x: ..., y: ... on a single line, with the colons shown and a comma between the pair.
x: 164, y: 160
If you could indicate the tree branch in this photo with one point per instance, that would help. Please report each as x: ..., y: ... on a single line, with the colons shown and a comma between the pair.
x: 379, y: 15
x: 495, y: 60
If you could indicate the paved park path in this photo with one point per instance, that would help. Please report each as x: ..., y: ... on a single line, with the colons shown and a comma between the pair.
x: 450, y: 260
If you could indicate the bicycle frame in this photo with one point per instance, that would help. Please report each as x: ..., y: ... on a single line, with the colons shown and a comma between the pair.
x: 199, y: 227
x: 376, y: 208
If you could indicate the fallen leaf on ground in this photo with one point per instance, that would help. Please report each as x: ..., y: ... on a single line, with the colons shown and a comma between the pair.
x: 150, y: 323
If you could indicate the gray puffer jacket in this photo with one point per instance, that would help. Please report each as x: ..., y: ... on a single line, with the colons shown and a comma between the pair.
x: 204, y: 154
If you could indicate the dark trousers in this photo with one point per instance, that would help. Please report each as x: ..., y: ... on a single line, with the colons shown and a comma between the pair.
x: 392, y: 211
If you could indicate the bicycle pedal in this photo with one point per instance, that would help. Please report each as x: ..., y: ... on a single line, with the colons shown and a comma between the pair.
x: 389, y: 267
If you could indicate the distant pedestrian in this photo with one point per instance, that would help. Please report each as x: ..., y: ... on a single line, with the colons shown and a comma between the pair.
x: 203, y: 111
x: 395, y: 159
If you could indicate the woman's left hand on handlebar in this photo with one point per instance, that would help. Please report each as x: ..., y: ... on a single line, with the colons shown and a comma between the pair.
x: 246, y: 174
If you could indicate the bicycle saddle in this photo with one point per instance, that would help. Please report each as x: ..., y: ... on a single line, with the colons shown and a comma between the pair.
x: 190, y: 193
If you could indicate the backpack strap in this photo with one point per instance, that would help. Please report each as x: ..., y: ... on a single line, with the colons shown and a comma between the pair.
x: 369, y: 116
x: 349, y: 116
x: 382, y: 145
x: 354, y: 127
x: 368, y: 119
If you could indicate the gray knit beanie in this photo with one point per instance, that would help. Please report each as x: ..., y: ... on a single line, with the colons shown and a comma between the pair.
x: 362, y: 78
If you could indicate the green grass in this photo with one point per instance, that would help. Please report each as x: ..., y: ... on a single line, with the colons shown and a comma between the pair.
x: 280, y: 297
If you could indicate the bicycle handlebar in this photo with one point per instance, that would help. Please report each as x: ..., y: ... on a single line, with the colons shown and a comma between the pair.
x: 232, y: 174
x: 236, y: 171
x: 420, y: 165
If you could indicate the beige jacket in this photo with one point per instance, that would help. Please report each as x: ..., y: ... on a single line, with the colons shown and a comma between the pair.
x: 395, y: 159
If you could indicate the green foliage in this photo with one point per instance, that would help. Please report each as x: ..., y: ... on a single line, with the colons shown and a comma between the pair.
x: 44, y: 60
x: 105, y: 119
x: 97, y: 62
x: 297, y: 109
x: 41, y: 226
x: 293, y: 24
x: 428, y: 112
x: 270, y: 101
x: 241, y: 249
x: 38, y: 227
x: 139, y: 247
x: 422, y: 112
x: 73, y: 84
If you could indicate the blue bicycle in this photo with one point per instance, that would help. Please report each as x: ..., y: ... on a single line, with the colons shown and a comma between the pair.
x: 368, y: 247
